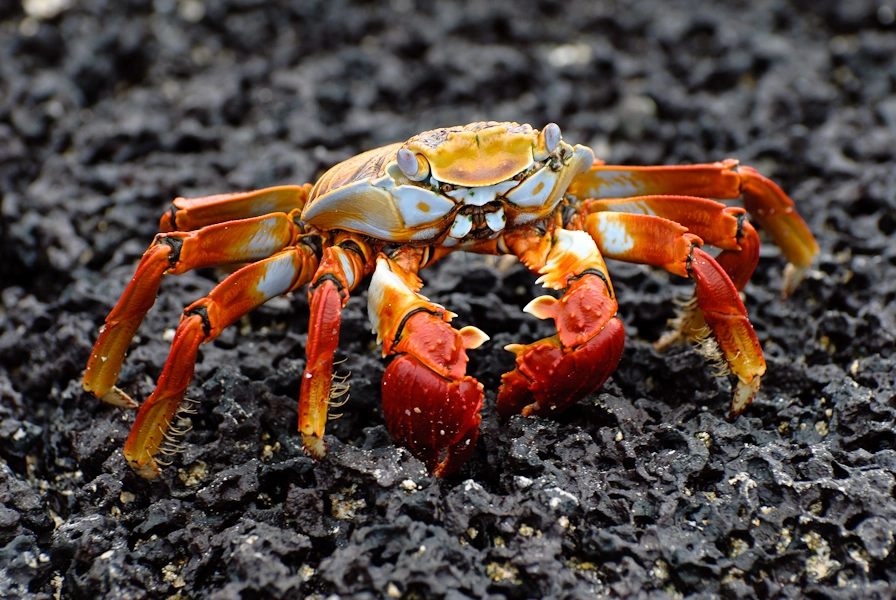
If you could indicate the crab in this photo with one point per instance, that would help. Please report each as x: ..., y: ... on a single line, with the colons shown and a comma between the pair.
x: 491, y: 188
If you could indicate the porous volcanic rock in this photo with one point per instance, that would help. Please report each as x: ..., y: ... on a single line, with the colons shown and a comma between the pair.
x: 109, y: 110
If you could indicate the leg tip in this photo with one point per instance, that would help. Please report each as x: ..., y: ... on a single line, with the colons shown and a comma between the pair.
x: 314, y: 446
x: 743, y: 397
x: 793, y: 276
x: 116, y: 397
x: 149, y: 470
x: 667, y: 340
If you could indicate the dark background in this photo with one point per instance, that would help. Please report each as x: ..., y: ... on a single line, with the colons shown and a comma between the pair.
x: 110, y: 110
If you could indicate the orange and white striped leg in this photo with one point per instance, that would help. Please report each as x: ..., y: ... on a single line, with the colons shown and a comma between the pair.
x: 762, y: 198
x: 554, y: 373
x: 342, y: 266
x: 430, y: 405
x: 188, y: 214
x: 716, y: 224
x: 728, y: 339
x: 174, y: 253
x: 203, y: 321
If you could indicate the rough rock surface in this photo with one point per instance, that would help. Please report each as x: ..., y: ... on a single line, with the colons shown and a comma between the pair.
x: 108, y: 110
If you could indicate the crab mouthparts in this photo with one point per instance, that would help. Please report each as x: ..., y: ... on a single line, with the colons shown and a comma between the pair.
x: 480, y: 196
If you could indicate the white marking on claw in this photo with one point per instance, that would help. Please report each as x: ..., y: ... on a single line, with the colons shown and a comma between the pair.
x: 346, y: 265
x: 389, y: 294
x: 383, y: 282
x: 575, y: 245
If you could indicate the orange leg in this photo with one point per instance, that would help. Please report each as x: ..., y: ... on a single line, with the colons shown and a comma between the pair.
x: 728, y: 338
x: 187, y: 214
x: 556, y: 372
x: 203, y: 321
x: 727, y: 319
x: 430, y: 405
x: 762, y: 198
x: 716, y: 224
x: 341, y: 268
x: 236, y: 241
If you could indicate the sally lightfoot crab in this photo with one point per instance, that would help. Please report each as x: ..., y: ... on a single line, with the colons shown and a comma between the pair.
x: 491, y: 188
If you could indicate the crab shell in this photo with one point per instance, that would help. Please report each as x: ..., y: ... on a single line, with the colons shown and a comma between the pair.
x: 483, y: 175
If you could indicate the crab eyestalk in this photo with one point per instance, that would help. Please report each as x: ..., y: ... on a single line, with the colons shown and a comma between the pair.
x: 412, y: 165
x: 548, y: 140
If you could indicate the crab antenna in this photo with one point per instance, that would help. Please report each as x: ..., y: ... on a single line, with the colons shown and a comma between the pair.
x: 413, y: 166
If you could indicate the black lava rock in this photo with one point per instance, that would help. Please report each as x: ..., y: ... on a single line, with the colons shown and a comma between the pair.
x: 108, y: 111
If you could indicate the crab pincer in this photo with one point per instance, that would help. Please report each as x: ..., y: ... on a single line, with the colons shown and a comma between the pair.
x: 554, y: 373
x: 430, y: 405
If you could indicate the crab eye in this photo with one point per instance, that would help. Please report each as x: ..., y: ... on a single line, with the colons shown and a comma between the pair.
x: 447, y: 187
x: 412, y: 165
x: 548, y: 140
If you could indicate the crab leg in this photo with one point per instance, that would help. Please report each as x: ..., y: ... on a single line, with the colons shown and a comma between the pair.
x: 558, y: 371
x: 203, y: 321
x: 341, y: 268
x: 188, y: 214
x: 430, y: 405
x: 713, y: 222
x: 652, y: 240
x: 762, y: 198
x: 236, y: 241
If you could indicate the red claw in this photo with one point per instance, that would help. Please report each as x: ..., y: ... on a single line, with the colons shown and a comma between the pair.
x: 554, y: 373
x: 549, y: 378
x: 435, y: 418
x: 430, y: 406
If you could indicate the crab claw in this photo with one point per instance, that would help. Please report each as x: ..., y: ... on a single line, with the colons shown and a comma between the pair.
x: 436, y: 419
x: 554, y: 373
x: 431, y: 407
x: 549, y: 378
